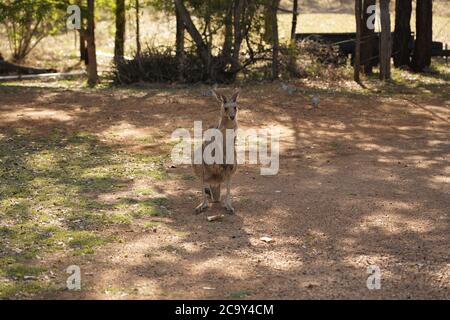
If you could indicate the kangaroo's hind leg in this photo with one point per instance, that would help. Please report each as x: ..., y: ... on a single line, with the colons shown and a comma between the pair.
x: 204, y: 204
x: 228, y: 205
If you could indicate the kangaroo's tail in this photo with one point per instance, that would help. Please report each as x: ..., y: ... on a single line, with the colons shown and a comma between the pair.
x: 214, y: 192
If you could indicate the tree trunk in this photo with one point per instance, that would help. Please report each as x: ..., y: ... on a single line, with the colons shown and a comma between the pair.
x: 402, y: 33
x: 357, y: 60
x: 83, y: 48
x: 92, y: 66
x: 294, y: 19
x: 138, y: 29
x: 202, y: 48
x: 120, y: 30
x: 424, y: 35
x: 237, y: 14
x: 180, y: 44
x: 385, y: 41
x: 367, y: 39
x: 275, y: 39
x: 82, y: 34
x: 228, y: 37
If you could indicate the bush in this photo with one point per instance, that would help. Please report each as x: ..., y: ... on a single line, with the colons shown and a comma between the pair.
x: 296, y: 60
x: 158, y: 65
x: 310, y: 59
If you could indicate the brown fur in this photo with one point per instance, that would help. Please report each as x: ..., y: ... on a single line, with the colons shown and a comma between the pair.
x: 214, y: 175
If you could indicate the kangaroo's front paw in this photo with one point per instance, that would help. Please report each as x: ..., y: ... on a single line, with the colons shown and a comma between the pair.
x: 229, y: 208
x: 201, y: 207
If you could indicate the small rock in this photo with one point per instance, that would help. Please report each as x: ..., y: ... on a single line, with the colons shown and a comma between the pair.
x: 267, y: 239
x: 288, y: 88
x: 315, y: 101
x: 215, y: 218
x: 311, y: 285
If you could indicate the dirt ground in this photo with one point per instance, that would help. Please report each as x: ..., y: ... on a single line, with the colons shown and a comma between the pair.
x: 363, y: 180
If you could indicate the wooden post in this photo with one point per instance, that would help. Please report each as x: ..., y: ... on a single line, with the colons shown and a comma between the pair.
x: 138, y: 30
x: 357, y: 60
x: 294, y: 19
x: 385, y: 43
x: 92, y: 66
x: 275, y: 40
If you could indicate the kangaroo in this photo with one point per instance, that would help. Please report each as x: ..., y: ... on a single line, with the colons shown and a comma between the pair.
x: 213, y: 175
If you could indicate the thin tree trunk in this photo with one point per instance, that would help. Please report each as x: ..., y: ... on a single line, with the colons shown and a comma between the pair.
x: 294, y: 19
x: 228, y: 38
x: 120, y: 30
x: 367, y: 39
x: 385, y: 43
x: 275, y: 39
x: 92, y: 66
x: 202, y: 48
x: 180, y: 44
x: 357, y: 60
x: 424, y: 35
x: 82, y: 34
x: 237, y: 14
x: 402, y: 33
x: 138, y: 29
x: 83, y: 48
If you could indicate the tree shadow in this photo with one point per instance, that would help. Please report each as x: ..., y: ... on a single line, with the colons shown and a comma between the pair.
x: 362, y: 182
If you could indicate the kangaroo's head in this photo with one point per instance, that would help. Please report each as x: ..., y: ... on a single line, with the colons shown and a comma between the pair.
x: 228, y: 107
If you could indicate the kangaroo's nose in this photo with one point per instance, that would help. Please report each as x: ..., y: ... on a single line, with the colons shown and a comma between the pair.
x: 232, y: 117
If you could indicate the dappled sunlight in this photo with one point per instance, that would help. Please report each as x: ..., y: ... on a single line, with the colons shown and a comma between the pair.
x: 32, y: 114
x: 361, y: 181
x: 395, y: 223
x: 374, y: 147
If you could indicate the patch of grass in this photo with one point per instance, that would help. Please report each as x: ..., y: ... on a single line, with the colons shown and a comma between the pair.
x: 24, y: 289
x: 85, y: 241
x: 20, y: 270
x: 49, y: 197
x: 157, y: 207
x: 335, y: 144
x: 240, y: 294
x: 119, y: 291
x: 244, y: 200
x: 150, y: 224
x: 187, y: 177
x: 145, y: 191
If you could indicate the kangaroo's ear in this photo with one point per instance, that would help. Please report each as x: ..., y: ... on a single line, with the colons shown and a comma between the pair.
x: 235, y: 96
x: 220, y: 97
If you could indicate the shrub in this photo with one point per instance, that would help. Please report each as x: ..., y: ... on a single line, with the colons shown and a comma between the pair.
x: 158, y: 65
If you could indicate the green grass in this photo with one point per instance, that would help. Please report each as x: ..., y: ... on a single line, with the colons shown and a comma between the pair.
x: 24, y: 289
x: 157, y: 207
x: 19, y: 270
x: 187, y: 177
x: 49, y: 188
x: 240, y: 294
